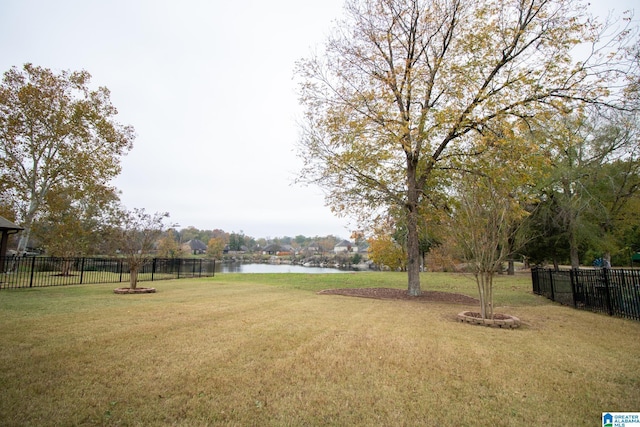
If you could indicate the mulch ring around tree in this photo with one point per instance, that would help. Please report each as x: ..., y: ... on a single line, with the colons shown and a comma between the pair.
x: 134, y: 291
x: 499, y: 320
x: 401, y: 294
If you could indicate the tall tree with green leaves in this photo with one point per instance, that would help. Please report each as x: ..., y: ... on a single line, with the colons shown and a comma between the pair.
x: 236, y: 241
x: 55, y: 131
x: 74, y: 223
x: 614, y: 183
x: 403, y: 88
x: 593, y: 174
x: 568, y: 138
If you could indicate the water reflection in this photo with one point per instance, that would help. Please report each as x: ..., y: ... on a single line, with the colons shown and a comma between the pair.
x: 238, y: 267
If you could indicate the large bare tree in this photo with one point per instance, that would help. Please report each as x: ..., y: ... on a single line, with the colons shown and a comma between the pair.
x: 404, y: 87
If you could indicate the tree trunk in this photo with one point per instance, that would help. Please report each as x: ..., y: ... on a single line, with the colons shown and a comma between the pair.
x: 511, y: 267
x: 484, y: 280
x: 606, y: 258
x: 24, y: 239
x: 133, y: 274
x: 34, y: 205
x: 26, y: 232
x: 413, y: 242
x: 65, y: 266
x: 491, y: 294
x: 413, y: 255
x: 571, y: 224
x: 573, y: 250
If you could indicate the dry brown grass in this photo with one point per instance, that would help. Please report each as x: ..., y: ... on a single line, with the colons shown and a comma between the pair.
x: 251, y: 350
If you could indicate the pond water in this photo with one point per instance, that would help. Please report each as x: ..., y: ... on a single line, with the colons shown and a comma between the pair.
x: 238, y: 267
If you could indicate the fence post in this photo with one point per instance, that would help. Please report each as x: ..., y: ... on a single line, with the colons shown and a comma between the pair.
x: 572, y: 278
x: 551, y: 285
x: 120, y: 268
x: 81, y: 270
x: 607, y: 293
x: 33, y: 269
x: 153, y: 268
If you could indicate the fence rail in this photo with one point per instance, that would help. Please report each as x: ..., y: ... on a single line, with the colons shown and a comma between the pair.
x: 31, y: 272
x: 607, y: 290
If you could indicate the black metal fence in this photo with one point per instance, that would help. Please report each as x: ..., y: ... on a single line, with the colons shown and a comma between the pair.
x: 31, y: 272
x: 607, y: 290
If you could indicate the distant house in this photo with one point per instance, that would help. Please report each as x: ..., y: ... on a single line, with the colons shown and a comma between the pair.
x: 275, y: 249
x: 227, y: 250
x: 271, y: 249
x: 344, y: 246
x: 312, y: 248
x: 363, y: 248
x: 195, y: 247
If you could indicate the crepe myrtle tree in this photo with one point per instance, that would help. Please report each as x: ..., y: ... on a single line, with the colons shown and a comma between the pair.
x: 488, y: 204
x: 136, y: 236
x: 404, y: 87
x: 486, y: 221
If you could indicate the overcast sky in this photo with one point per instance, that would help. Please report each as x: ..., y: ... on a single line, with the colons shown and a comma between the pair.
x: 208, y: 86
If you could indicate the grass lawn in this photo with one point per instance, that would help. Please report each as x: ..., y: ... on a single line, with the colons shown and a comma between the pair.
x: 266, y: 350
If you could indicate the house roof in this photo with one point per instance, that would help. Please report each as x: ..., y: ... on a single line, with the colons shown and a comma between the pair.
x: 273, y: 247
x: 345, y: 243
x: 6, y: 225
x: 197, y: 245
x: 363, y: 247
